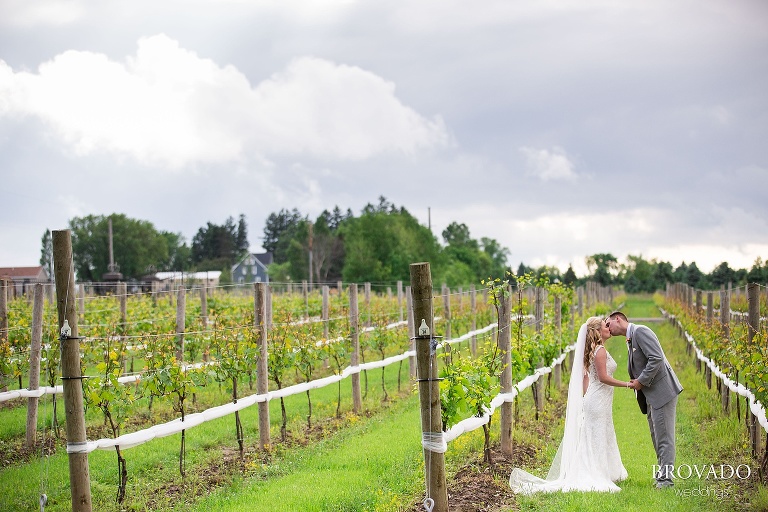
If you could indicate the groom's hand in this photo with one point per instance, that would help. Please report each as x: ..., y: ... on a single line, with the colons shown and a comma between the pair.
x: 635, y: 384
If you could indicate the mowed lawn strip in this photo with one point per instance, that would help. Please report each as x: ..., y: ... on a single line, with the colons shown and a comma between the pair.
x: 376, y: 465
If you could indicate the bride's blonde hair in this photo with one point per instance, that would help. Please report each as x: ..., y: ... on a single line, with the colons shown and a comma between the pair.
x: 593, y: 339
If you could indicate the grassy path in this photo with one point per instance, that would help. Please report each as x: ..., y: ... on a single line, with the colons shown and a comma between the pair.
x: 704, y: 436
x: 373, y: 466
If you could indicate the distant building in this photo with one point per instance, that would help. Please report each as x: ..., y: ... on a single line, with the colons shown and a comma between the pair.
x: 24, y: 277
x: 252, y: 269
x: 166, y: 281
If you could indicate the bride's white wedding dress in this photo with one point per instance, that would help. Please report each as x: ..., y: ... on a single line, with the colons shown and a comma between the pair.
x: 588, y: 458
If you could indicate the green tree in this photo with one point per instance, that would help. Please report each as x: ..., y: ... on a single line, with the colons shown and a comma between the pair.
x: 632, y: 284
x: 241, y: 238
x: 46, y: 253
x: 217, y: 247
x: 641, y: 272
x: 138, y: 246
x: 279, y: 229
x: 680, y: 273
x: 468, y: 260
x: 759, y: 272
x: 601, y: 267
x: 722, y: 275
x: 179, y: 254
x: 327, y: 247
x: 498, y: 255
x: 382, y: 243
x: 570, y: 276
x: 662, y: 274
x: 694, y: 276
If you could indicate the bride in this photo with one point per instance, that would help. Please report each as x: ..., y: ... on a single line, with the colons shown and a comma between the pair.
x: 588, y: 457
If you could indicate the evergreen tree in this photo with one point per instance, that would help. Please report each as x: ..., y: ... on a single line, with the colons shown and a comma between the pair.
x: 46, y: 253
x: 279, y: 229
x: 569, y: 278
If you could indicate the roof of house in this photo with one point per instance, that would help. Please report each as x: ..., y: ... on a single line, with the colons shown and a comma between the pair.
x: 263, y: 258
x: 21, y: 272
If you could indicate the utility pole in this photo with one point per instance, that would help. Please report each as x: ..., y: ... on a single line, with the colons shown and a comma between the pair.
x: 311, y: 236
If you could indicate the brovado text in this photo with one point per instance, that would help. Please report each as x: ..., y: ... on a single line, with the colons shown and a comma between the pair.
x: 707, y: 471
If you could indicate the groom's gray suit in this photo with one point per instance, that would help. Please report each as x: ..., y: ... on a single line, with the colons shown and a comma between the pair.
x: 647, y: 364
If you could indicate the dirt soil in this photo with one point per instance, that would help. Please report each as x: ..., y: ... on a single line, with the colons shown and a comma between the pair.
x: 479, y: 487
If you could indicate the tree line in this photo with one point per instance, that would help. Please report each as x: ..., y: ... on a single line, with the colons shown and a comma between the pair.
x: 140, y: 249
x: 375, y: 246
x: 638, y: 275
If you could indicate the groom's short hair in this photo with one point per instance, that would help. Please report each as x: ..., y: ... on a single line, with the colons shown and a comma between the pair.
x: 619, y: 314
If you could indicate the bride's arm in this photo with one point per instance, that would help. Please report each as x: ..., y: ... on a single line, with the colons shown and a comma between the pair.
x: 602, y: 373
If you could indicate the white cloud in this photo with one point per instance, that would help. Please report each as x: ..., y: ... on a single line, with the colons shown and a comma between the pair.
x: 168, y: 106
x: 331, y: 110
x: 25, y: 13
x: 548, y: 165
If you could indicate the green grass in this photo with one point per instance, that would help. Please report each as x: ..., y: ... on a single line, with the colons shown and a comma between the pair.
x: 641, y: 306
x: 366, y: 467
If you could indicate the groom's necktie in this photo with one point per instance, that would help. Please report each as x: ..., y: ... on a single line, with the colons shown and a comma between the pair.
x: 629, y: 355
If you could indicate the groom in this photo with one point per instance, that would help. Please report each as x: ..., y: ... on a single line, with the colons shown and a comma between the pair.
x: 654, y: 383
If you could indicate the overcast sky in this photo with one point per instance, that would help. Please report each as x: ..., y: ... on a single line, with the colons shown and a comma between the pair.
x: 559, y: 128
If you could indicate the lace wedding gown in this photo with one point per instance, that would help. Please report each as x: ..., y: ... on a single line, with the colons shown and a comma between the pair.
x: 589, y: 460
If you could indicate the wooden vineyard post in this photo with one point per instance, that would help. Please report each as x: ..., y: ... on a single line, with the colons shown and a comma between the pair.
x: 558, y: 335
x: 725, y: 322
x: 429, y: 386
x: 34, y: 363
x: 580, y: 296
x: 538, y: 386
x: 411, y: 331
x: 505, y: 350
x: 181, y: 306
x: 447, y: 315
x: 204, y: 306
x: 81, y: 301
x: 4, y: 308
x: 262, y: 377
x: 325, y: 314
x: 326, y: 291
x: 4, y: 296
x: 354, y: 332
x: 400, y: 300
x: 122, y: 292
x: 473, y: 307
x: 699, y: 303
x: 753, y: 326
x: 367, y: 292
x: 79, y: 474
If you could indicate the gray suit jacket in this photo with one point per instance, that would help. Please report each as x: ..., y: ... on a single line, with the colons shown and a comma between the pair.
x: 647, y: 364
